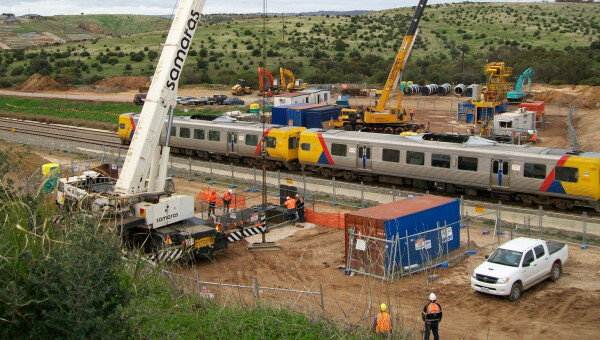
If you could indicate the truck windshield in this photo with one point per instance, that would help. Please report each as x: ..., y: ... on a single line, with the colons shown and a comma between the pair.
x: 506, y: 257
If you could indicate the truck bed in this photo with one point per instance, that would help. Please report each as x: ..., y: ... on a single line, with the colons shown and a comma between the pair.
x: 553, y: 247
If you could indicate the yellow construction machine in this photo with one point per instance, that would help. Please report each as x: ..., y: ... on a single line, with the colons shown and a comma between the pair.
x: 240, y: 88
x: 291, y: 84
x: 374, y: 118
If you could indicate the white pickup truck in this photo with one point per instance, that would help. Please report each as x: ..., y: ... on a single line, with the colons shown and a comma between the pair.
x: 518, y: 265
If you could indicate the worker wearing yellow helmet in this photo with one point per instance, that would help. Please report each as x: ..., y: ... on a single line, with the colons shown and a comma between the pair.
x: 382, y: 324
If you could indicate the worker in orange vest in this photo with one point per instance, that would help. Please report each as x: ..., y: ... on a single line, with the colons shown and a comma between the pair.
x: 432, y: 315
x: 382, y: 324
x: 533, y: 138
x: 411, y: 112
x: 290, y: 205
x: 227, y: 197
x: 212, y: 202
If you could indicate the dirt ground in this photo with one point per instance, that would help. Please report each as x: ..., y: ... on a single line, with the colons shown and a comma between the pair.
x: 310, y: 256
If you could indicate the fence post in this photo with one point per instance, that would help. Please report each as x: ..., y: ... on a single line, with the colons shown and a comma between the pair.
x: 499, y: 219
x: 255, y: 291
x: 462, y: 206
x: 254, y: 172
x: 334, y: 193
x: 393, y: 193
x: 198, y: 283
x: 408, y: 252
x: 232, y: 178
x: 362, y: 194
x: 211, y: 172
x: 468, y: 232
x: 447, y: 241
x: 190, y: 163
x: 540, y: 217
x: 584, y: 245
x: 322, y: 299
x: 72, y: 165
x: 303, y: 184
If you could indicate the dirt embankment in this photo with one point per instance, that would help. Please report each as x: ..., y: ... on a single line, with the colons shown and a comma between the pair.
x: 38, y: 82
x: 582, y: 96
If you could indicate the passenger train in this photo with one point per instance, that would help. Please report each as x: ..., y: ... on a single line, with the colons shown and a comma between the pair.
x: 452, y: 164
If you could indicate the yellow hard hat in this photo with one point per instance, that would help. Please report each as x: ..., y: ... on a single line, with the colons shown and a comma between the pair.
x: 383, y: 307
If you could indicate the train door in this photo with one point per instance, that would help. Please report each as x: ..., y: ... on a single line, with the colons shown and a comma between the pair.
x: 232, y: 139
x: 500, y: 175
x: 363, y: 158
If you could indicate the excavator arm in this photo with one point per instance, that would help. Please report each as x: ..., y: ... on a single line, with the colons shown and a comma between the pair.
x: 526, y: 75
x: 403, y: 53
x: 264, y: 72
x: 289, y: 84
x: 144, y: 151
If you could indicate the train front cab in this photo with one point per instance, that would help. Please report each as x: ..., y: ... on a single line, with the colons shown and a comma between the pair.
x: 281, y: 144
x: 576, y: 176
x: 126, y: 127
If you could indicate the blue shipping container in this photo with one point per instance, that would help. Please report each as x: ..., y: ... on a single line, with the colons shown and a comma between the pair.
x: 279, y: 114
x: 418, y: 218
x: 297, y: 114
x: 315, y: 117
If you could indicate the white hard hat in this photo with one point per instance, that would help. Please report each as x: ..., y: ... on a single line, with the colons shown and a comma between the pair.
x: 432, y: 297
x: 288, y: 197
x: 230, y: 191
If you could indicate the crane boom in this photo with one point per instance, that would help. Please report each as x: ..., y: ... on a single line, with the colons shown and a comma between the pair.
x: 401, y: 58
x: 143, y: 151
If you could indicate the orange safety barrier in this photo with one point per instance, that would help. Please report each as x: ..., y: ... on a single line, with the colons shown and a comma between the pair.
x: 238, y: 201
x: 333, y: 220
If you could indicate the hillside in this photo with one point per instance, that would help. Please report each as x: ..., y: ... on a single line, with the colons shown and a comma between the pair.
x: 327, y: 49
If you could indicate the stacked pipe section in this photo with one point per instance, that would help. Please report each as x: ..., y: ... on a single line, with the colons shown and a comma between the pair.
x: 429, y: 89
x: 412, y: 89
x: 444, y: 89
x: 469, y: 90
x: 459, y: 89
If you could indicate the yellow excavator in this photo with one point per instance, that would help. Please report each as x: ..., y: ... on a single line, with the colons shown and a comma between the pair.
x: 374, y: 119
x: 240, y: 88
x: 291, y: 84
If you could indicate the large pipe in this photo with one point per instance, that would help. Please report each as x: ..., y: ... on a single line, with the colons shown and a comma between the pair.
x: 469, y: 91
x: 459, y: 89
x: 444, y: 89
x: 412, y: 89
x: 429, y: 89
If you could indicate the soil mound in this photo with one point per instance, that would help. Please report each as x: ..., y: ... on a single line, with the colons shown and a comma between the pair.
x: 92, y: 28
x: 582, y: 96
x: 127, y: 83
x: 38, y: 82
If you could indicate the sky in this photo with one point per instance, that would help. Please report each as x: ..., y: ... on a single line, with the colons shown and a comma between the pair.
x: 165, y: 7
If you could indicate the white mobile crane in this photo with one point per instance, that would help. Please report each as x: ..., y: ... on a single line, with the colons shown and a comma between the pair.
x: 143, y: 203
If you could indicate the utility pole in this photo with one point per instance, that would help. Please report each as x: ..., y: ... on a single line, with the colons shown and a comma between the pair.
x: 283, y: 27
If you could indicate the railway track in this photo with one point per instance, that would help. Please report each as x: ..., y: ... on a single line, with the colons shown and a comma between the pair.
x: 61, y: 132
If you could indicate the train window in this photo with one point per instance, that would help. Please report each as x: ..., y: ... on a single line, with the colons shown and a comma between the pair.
x: 271, y: 142
x: 305, y: 146
x: 252, y: 140
x: 439, y: 160
x: 293, y: 143
x: 173, y: 131
x: 505, y: 167
x: 214, y: 136
x: 467, y: 163
x: 198, y: 134
x: 360, y: 152
x: 122, y: 126
x: 338, y: 149
x: 389, y: 155
x: 534, y: 170
x: 415, y: 158
x: 566, y: 174
x: 184, y: 132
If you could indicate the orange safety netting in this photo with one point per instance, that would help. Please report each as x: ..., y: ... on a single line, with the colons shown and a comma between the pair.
x: 333, y: 220
x: 237, y: 202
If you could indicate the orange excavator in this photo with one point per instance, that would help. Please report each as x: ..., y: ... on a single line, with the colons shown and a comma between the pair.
x: 272, y: 85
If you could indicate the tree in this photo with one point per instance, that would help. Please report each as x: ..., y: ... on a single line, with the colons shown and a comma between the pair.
x: 41, y: 66
x: 340, y: 45
x: 464, y: 49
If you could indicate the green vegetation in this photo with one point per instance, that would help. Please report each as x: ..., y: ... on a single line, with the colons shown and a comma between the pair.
x: 70, y: 281
x: 327, y: 49
x: 100, y: 115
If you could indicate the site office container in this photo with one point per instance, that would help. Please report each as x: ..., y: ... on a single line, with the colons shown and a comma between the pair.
x: 296, y: 116
x: 279, y: 113
x: 316, y: 116
x: 395, y: 220
x: 538, y: 107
